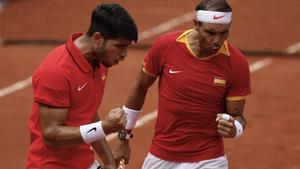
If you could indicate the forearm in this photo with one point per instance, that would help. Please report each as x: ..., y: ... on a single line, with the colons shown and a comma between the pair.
x: 61, y: 135
x: 138, y: 91
x: 55, y: 132
x: 103, y: 151
x: 134, y: 104
x: 136, y: 97
x: 241, y: 119
x: 68, y: 136
x: 58, y: 136
x: 231, y: 124
x: 236, y: 109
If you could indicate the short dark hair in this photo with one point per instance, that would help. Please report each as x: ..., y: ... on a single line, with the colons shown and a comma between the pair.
x: 214, y: 5
x: 113, y: 21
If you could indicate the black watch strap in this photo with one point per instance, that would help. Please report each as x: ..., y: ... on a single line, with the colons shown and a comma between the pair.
x: 123, y: 135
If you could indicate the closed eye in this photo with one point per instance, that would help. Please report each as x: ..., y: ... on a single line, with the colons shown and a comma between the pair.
x: 122, y: 46
x: 210, y: 32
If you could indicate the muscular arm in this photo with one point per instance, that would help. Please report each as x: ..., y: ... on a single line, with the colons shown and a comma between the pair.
x: 236, y: 109
x: 54, y: 131
x: 138, y: 92
x: 135, y: 101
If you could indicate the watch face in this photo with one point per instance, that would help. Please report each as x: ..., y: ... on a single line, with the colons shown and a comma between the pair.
x: 122, y: 135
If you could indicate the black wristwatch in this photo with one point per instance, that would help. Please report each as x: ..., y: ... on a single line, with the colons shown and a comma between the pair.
x: 123, y: 135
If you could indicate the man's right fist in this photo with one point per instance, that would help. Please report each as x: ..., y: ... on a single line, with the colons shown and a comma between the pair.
x: 114, y: 121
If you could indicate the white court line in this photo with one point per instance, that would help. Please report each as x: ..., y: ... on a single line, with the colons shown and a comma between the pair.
x: 293, y: 48
x: 152, y: 115
x: 166, y: 26
x: 15, y: 87
x: 260, y: 64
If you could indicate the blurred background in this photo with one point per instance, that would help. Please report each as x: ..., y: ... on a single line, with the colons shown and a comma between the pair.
x: 267, y: 32
x: 258, y: 26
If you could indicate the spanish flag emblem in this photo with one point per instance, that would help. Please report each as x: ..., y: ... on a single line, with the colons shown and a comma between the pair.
x: 219, y: 81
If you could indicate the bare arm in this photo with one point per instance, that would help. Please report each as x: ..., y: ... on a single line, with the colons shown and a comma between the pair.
x: 135, y: 101
x: 235, y: 109
x: 138, y: 92
x: 103, y: 151
x: 56, y: 133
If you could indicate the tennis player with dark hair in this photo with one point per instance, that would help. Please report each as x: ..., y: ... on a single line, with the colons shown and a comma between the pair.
x: 68, y: 89
x: 203, y: 84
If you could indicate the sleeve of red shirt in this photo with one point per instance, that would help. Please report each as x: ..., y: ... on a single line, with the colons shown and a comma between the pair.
x: 153, y: 61
x: 239, y: 86
x: 51, y: 88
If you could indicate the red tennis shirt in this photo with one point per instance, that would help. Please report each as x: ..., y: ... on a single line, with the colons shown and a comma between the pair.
x: 65, y: 79
x: 191, y: 93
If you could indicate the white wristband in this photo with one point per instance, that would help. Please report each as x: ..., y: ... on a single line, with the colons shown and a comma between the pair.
x: 239, y: 129
x: 92, y: 132
x: 131, y: 117
x: 238, y: 125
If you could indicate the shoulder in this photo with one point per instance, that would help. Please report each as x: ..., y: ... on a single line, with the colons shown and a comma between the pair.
x: 56, y: 64
x: 237, y: 57
x: 167, y: 38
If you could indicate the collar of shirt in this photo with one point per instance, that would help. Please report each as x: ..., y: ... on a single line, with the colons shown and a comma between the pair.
x: 80, y: 60
x: 183, y: 38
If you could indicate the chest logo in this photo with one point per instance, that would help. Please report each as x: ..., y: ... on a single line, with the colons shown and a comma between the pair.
x: 174, y: 71
x: 103, y: 77
x: 219, y: 81
x: 81, y: 87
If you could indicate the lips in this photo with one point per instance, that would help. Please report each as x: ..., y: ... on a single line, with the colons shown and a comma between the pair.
x: 215, y: 48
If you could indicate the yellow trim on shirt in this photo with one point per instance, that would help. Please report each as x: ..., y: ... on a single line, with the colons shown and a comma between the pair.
x: 236, y: 98
x: 183, y: 38
x: 148, y: 73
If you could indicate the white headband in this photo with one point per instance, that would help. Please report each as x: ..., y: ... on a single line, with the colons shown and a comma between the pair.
x: 214, y: 17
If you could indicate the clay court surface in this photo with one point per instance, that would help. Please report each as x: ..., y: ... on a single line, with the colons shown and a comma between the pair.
x: 271, y: 140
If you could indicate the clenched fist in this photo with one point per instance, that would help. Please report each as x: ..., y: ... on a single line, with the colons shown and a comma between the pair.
x: 114, y: 121
x: 226, y: 127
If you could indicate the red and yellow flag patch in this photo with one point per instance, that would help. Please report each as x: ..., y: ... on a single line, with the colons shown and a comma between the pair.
x: 219, y: 81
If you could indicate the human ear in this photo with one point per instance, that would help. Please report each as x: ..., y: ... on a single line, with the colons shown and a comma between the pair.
x: 195, y: 22
x: 98, y: 38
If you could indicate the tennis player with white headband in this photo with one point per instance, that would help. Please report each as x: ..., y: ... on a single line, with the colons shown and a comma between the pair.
x: 214, y: 17
x: 203, y: 84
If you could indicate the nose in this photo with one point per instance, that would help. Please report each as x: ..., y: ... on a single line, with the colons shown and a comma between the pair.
x: 123, y: 55
x: 217, y: 40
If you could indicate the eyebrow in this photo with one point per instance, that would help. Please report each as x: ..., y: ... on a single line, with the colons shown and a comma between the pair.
x: 122, y: 45
x: 211, y: 31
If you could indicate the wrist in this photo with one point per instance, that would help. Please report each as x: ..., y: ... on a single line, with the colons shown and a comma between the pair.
x: 238, y: 125
x: 131, y: 117
x: 123, y: 142
x: 123, y: 135
x: 105, y: 127
x: 92, y: 132
x: 239, y: 129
